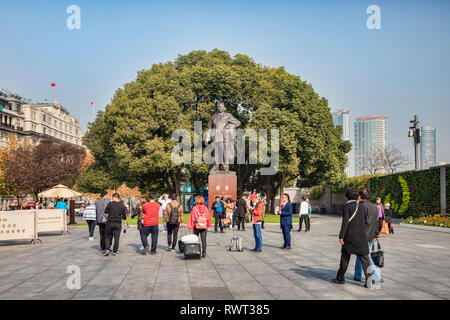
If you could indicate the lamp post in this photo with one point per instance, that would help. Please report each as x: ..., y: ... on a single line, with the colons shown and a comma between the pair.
x: 414, y: 132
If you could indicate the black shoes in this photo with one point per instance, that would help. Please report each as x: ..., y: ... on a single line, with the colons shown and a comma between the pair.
x: 284, y: 248
x: 153, y: 253
x: 145, y: 251
x: 336, y: 281
x: 204, y: 255
x: 256, y: 250
x: 356, y: 279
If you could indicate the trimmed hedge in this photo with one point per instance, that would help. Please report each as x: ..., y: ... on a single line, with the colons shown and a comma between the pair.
x: 410, y: 193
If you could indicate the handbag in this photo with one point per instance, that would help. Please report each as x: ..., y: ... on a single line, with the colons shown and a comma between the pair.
x: 384, y: 228
x: 377, y: 256
x: 226, y: 222
x: 247, y: 219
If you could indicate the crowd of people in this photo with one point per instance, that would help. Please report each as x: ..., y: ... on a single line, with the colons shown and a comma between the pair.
x: 361, y: 224
x: 110, y: 214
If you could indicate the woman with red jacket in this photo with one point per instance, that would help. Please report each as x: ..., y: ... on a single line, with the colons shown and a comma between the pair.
x: 257, y: 213
x: 199, y: 221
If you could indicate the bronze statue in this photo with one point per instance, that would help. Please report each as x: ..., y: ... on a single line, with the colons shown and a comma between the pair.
x: 221, y: 131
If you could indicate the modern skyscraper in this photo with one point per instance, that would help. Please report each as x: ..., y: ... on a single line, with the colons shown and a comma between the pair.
x: 342, y: 118
x: 427, y: 147
x: 369, y: 144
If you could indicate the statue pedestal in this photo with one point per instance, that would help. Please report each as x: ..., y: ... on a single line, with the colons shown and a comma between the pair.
x: 222, y: 185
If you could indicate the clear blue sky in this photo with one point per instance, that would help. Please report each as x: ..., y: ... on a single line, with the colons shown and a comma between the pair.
x: 401, y: 70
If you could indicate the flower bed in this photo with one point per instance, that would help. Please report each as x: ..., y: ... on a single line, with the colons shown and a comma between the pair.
x: 437, y: 220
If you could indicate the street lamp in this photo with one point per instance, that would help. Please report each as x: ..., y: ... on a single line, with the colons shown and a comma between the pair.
x: 414, y: 132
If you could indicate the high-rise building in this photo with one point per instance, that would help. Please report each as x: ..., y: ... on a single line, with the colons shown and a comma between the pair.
x: 369, y: 144
x: 427, y: 147
x: 342, y: 118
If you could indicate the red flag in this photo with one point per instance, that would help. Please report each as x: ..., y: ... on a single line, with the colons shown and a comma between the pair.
x: 53, y: 84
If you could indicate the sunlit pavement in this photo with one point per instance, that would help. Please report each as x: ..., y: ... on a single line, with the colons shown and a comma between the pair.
x: 416, y: 267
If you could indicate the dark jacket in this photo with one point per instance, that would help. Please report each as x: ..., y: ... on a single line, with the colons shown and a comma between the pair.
x: 218, y: 215
x: 241, y: 207
x: 100, y: 207
x: 286, y: 215
x: 388, y: 215
x: 116, y: 212
x: 354, y: 232
x: 138, y: 212
x: 372, y: 219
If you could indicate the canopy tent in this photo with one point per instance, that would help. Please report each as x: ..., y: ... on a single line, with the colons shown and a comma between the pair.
x: 59, y: 191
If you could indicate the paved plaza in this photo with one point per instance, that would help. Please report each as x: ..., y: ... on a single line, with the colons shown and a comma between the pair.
x: 417, y: 263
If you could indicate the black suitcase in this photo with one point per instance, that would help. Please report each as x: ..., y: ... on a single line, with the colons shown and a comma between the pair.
x: 181, y: 246
x: 192, y: 250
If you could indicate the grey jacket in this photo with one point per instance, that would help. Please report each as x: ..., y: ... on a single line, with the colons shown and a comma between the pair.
x: 372, y: 219
x: 100, y: 207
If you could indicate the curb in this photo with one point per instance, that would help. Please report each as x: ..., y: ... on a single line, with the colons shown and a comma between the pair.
x: 425, y: 228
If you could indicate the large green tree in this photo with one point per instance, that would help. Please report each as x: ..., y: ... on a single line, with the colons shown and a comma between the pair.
x: 131, y: 139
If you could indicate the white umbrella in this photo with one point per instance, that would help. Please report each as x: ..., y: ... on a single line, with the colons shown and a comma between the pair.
x: 59, y: 191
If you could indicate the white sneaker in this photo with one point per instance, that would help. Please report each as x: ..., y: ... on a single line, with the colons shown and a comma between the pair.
x: 91, y: 238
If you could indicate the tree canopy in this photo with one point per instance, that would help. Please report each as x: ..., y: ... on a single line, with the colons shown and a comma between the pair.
x: 131, y: 139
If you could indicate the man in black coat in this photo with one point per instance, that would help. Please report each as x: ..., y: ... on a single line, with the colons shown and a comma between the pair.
x: 353, y: 236
x: 372, y: 234
x: 241, y: 211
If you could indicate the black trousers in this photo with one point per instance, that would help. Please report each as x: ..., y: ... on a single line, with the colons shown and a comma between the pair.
x: 113, y: 231
x: 91, y: 226
x: 202, y: 235
x: 172, y: 234
x: 380, y: 225
x: 304, y: 217
x: 345, y: 259
x: 241, y: 221
x: 218, y: 222
x: 102, y: 230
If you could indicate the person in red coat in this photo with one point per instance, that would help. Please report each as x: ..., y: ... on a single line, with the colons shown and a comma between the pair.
x: 199, y: 221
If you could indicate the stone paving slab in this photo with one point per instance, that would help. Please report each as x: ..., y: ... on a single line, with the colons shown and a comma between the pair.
x: 417, y: 264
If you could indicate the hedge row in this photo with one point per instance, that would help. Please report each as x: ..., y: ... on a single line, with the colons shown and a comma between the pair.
x: 411, y: 193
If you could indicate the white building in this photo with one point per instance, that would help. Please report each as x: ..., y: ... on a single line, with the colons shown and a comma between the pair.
x: 51, y: 120
x: 342, y: 118
x: 21, y: 118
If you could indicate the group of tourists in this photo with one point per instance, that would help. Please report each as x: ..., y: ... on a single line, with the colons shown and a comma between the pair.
x: 111, y: 214
x: 361, y: 224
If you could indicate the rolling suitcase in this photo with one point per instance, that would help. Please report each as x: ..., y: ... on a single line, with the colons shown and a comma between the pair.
x: 192, y: 250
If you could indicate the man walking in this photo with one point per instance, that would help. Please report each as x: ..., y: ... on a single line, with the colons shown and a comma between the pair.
x: 164, y: 201
x: 218, y: 208
x: 372, y: 233
x: 173, y: 217
x: 116, y: 212
x: 100, y: 207
x: 353, y: 236
x: 150, y: 226
x: 304, y: 216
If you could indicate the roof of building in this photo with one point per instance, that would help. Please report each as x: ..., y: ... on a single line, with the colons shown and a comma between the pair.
x: 340, y: 111
x: 371, y: 118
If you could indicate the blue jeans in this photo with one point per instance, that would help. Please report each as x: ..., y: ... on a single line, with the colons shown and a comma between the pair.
x: 146, y: 230
x: 258, y: 236
x: 358, y: 267
x: 286, y: 234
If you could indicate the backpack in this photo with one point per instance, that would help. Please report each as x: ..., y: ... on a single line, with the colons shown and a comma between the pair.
x: 202, y: 221
x: 173, y: 219
x: 236, y: 244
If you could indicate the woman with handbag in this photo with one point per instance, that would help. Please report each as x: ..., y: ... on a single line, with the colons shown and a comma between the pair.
x: 199, y: 221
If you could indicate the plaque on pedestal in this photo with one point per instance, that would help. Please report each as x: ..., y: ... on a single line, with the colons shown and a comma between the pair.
x: 222, y: 184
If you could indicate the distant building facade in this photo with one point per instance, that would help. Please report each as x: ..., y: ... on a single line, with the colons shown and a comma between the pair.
x: 427, y: 147
x: 342, y: 118
x: 23, y: 119
x: 369, y: 144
